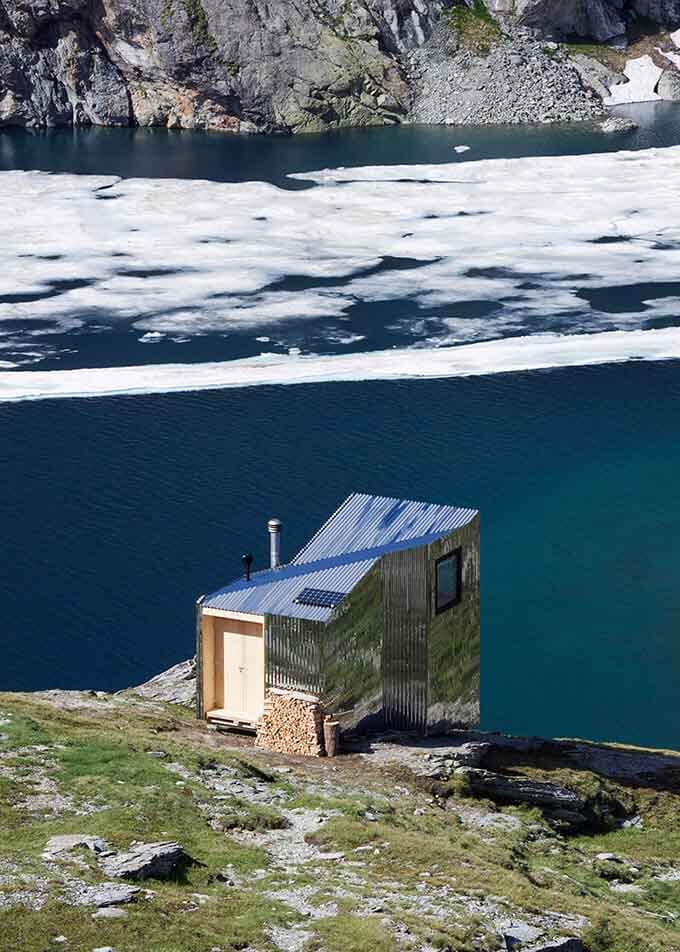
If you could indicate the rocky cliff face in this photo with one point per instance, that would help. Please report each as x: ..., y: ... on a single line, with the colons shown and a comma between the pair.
x: 594, y: 19
x: 237, y: 65
x: 258, y: 66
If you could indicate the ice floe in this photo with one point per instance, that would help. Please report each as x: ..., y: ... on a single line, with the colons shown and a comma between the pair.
x: 500, y: 356
x: 479, y: 250
x: 180, y: 258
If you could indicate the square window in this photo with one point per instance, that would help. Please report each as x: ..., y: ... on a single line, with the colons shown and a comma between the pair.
x: 448, y: 581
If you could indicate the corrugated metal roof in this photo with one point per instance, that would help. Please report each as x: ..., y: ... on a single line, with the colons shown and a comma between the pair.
x: 274, y: 592
x: 364, y: 522
x: 336, y: 559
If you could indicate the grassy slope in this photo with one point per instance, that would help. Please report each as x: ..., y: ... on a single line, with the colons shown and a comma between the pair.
x: 419, y: 846
x: 475, y: 27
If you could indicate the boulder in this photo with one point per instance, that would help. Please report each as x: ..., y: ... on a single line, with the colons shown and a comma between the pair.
x: 566, y: 810
x: 595, y: 75
x: 104, y: 894
x: 177, y: 685
x: 439, y: 764
x: 110, y: 912
x: 669, y: 85
x: 145, y: 861
x: 617, y: 124
x: 517, y: 935
x: 57, y: 846
x: 571, y: 944
x: 519, y: 789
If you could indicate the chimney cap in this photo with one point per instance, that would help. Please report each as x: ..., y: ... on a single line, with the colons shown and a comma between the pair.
x: 274, y: 525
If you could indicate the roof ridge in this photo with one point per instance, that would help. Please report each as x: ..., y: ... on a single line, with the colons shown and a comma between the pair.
x: 293, y: 569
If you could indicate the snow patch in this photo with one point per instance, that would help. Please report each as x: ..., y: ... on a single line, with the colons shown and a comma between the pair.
x: 643, y: 77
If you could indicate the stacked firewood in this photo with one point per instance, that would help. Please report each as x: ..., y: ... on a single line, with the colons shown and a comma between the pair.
x: 292, y: 723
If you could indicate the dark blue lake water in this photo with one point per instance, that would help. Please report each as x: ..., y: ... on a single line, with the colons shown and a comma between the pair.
x: 117, y: 513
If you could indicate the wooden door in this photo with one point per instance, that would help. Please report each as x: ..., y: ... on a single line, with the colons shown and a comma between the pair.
x: 243, y: 675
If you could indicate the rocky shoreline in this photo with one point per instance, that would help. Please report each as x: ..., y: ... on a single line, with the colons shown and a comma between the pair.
x: 254, y: 68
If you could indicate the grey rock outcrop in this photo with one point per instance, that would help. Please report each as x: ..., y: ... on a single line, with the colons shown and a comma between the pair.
x: 145, y: 861
x: 103, y: 895
x: 565, y: 809
x: 669, y: 85
x: 571, y: 944
x: 599, y: 20
x: 59, y: 846
x: 540, y: 793
x: 595, y: 75
x: 617, y: 125
x: 177, y: 685
x: 234, y: 65
x: 253, y: 66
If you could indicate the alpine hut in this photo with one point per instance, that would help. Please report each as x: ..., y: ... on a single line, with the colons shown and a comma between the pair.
x: 374, y: 623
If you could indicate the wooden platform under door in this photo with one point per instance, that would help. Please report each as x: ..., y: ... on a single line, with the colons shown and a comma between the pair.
x: 226, y: 719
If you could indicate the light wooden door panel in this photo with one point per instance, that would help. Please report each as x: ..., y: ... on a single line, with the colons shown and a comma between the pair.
x: 243, y: 675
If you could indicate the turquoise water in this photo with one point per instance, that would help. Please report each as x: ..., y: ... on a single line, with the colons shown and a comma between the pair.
x: 154, y: 153
x: 117, y: 513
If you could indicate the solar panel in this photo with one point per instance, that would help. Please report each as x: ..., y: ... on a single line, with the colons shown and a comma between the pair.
x: 320, y: 597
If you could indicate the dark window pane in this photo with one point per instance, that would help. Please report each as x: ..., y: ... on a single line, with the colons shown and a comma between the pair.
x: 448, y: 577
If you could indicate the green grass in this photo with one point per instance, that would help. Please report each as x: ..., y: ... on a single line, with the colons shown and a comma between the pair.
x: 230, y: 920
x: 347, y: 933
x: 474, y: 26
x: 102, y: 756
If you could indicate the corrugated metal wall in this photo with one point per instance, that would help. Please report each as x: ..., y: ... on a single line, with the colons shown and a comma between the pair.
x: 453, y: 639
x: 293, y: 653
x: 352, y: 657
x: 385, y: 658
x: 405, y: 612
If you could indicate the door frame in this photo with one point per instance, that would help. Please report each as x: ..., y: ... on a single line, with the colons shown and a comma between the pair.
x: 210, y: 629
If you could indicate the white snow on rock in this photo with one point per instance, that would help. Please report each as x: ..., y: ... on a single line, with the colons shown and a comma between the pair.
x: 540, y: 351
x: 676, y: 38
x: 643, y: 76
x: 673, y: 58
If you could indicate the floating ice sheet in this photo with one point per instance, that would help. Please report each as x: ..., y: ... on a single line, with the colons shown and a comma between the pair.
x: 501, y: 356
x: 445, y: 254
x: 529, y: 238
